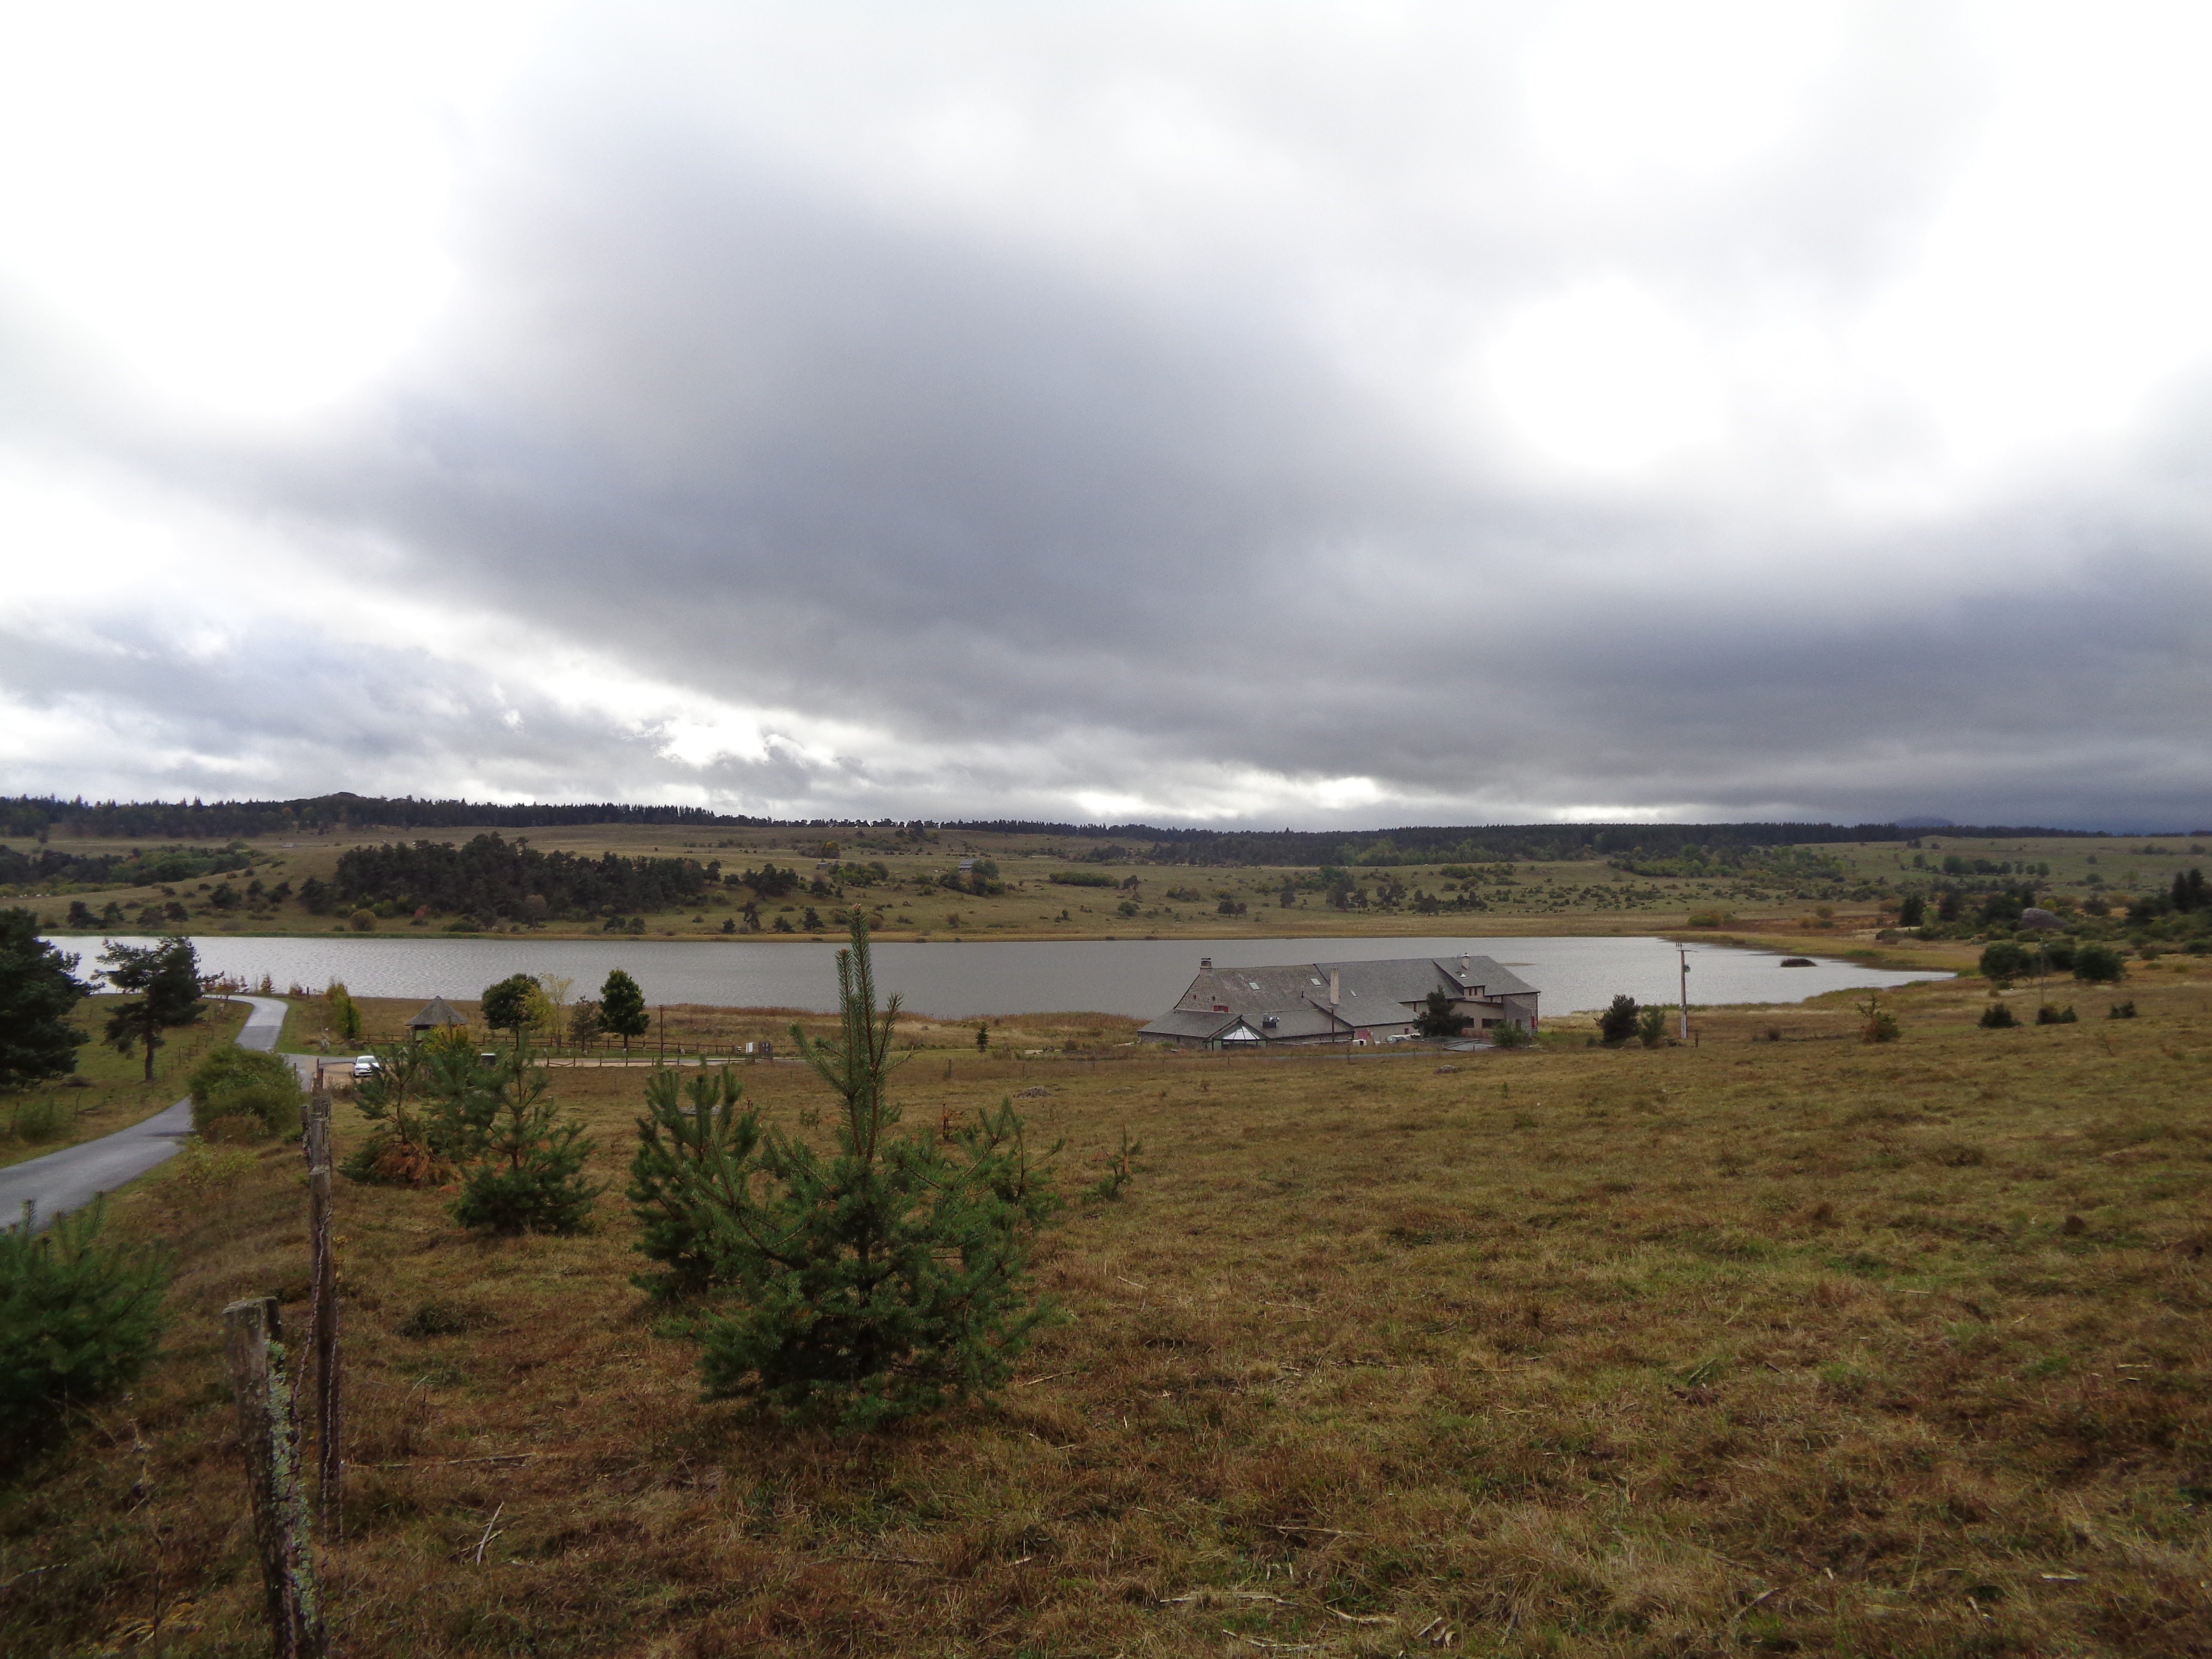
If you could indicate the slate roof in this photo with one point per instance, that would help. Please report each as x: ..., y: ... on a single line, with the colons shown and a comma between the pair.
x: 436, y: 1011
x: 1295, y: 997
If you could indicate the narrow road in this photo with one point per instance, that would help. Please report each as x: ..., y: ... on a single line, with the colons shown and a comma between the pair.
x: 74, y: 1176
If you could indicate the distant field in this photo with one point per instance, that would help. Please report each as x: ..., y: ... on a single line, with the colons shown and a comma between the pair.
x: 1782, y: 896
x: 1779, y: 1343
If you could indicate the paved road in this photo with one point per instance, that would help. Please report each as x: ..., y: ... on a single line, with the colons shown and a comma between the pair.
x: 77, y: 1174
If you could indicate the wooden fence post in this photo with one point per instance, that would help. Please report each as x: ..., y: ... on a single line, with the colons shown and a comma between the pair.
x: 322, y: 1322
x: 261, y: 1385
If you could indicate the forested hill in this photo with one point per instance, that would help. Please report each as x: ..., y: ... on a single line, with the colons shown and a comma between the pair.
x: 493, y: 877
x: 33, y: 814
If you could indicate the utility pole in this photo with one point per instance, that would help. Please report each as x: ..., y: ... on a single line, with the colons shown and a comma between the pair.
x: 1683, y: 952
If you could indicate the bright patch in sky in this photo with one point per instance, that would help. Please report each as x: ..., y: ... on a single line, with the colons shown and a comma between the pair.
x: 1603, y: 378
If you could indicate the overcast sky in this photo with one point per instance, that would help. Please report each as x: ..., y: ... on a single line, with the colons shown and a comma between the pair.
x: 1271, y: 413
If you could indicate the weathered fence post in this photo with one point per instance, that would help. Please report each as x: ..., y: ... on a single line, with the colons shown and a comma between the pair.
x: 261, y: 1384
x: 322, y: 1322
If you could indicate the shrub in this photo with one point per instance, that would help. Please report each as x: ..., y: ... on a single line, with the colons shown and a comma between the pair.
x: 2121, y: 1011
x: 1880, y: 1024
x: 1618, y: 1023
x: 2099, y: 964
x: 1509, y: 1034
x: 259, y: 1090
x: 79, y: 1317
x: 1651, y: 1026
x: 362, y: 921
x: 40, y: 1118
x: 529, y: 1176
x: 2004, y: 961
x: 2051, y: 1014
x: 1121, y: 1169
x: 402, y: 1150
x: 201, y: 1167
x: 1997, y: 1017
x: 887, y: 1277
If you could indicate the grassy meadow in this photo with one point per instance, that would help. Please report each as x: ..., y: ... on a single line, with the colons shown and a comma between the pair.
x: 1781, y: 1342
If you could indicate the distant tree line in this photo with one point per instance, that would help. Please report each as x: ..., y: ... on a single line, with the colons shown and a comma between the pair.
x: 52, y: 869
x: 490, y: 876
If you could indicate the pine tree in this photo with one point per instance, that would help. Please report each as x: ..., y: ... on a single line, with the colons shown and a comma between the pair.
x: 166, y: 978
x: 80, y: 1315
x: 529, y: 1176
x: 38, y: 988
x: 883, y: 1279
x: 1437, y: 1018
x: 1618, y: 1023
x: 691, y: 1167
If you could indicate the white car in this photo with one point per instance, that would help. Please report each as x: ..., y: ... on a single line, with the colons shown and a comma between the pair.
x: 366, y: 1066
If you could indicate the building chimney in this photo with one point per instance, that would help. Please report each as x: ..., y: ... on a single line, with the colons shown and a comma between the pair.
x: 1335, y: 988
x: 1206, y: 964
x: 1466, y: 966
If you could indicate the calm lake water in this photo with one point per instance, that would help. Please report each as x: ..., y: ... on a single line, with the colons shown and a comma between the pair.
x: 1142, y: 977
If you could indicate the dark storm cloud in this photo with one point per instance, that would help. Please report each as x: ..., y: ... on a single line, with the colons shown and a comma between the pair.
x: 734, y: 425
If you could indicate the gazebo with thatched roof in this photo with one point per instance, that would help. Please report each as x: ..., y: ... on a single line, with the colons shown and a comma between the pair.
x: 436, y: 1014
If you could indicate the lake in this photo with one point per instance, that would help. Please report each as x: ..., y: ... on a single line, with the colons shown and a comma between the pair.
x: 1140, y: 977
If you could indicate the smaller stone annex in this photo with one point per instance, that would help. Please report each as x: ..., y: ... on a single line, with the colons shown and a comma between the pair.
x: 1350, y: 1002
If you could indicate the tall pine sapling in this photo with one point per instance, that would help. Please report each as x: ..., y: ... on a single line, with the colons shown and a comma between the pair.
x: 528, y: 1177
x: 885, y: 1277
x: 690, y: 1169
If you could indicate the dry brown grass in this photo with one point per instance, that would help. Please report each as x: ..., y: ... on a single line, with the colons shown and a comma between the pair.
x: 1757, y: 1347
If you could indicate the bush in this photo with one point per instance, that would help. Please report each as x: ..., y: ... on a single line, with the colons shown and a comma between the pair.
x: 1651, y: 1026
x: 362, y: 921
x: 1618, y: 1023
x: 2099, y: 964
x: 2004, y: 961
x: 259, y: 1090
x: 2051, y: 1014
x: 79, y: 1317
x: 40, y: 1118
x: 1997, y: 1018
x: 2121, y: 1011
x: 1510, y: 1034
x: 408, y: 1146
